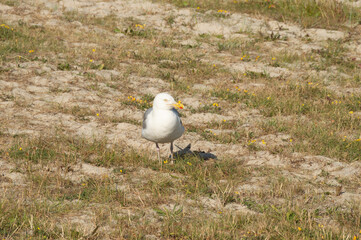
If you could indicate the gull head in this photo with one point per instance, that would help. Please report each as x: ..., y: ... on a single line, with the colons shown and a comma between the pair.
x: 165, y: 101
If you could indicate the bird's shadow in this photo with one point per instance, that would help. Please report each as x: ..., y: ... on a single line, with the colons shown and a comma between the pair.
x: 184, y: 152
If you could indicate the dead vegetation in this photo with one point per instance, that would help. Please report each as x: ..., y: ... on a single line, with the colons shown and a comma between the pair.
x: 272, y: 88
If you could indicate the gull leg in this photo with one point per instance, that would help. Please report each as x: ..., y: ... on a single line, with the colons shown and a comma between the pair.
x: 171, y: 152
x: 158, y: 151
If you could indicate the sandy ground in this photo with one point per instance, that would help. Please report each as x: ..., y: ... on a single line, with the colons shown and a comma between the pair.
x: 33, y: 93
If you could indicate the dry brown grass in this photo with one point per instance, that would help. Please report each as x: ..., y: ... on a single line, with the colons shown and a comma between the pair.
x: 72, y: 164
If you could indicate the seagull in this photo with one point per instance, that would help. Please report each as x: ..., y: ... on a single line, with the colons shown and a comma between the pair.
x: 162, y: 123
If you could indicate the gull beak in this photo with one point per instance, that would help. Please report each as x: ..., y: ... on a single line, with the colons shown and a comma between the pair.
x: 178, y: 105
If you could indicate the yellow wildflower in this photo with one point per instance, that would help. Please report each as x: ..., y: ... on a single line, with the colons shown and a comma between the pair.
x: 299, y: 229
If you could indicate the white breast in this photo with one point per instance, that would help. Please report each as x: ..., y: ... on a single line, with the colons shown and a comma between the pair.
x: 163, y: 126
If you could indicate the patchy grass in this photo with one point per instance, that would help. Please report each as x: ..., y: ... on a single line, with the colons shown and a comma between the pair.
x: 58, y: 185
x: 59, y: 197
x: 329, y: 120
x: 309, y: 13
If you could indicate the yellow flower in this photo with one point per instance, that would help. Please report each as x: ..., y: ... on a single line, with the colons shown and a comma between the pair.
x: 93, y: 50
x: 268, y: 98
x: 97, y: 114
x: 121, y: 170
x: 20, y: 149
x: 91, y: 60
x: 291, y: 140
x: 299, y: 229
x: 165, y: 161
x: 190, y: 164
x: 224, y: 120
x: 198, y: 8
x: 244, y: 74
x: 263, y: 142
x: 31, y: 51
x: 245, y: 91
x: 310, y: 83
x: 273, y: 58
x: 350, y: 112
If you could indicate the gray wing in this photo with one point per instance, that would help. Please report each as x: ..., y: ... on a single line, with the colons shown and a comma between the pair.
x: 149, y: 110
x: 178, y: 114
